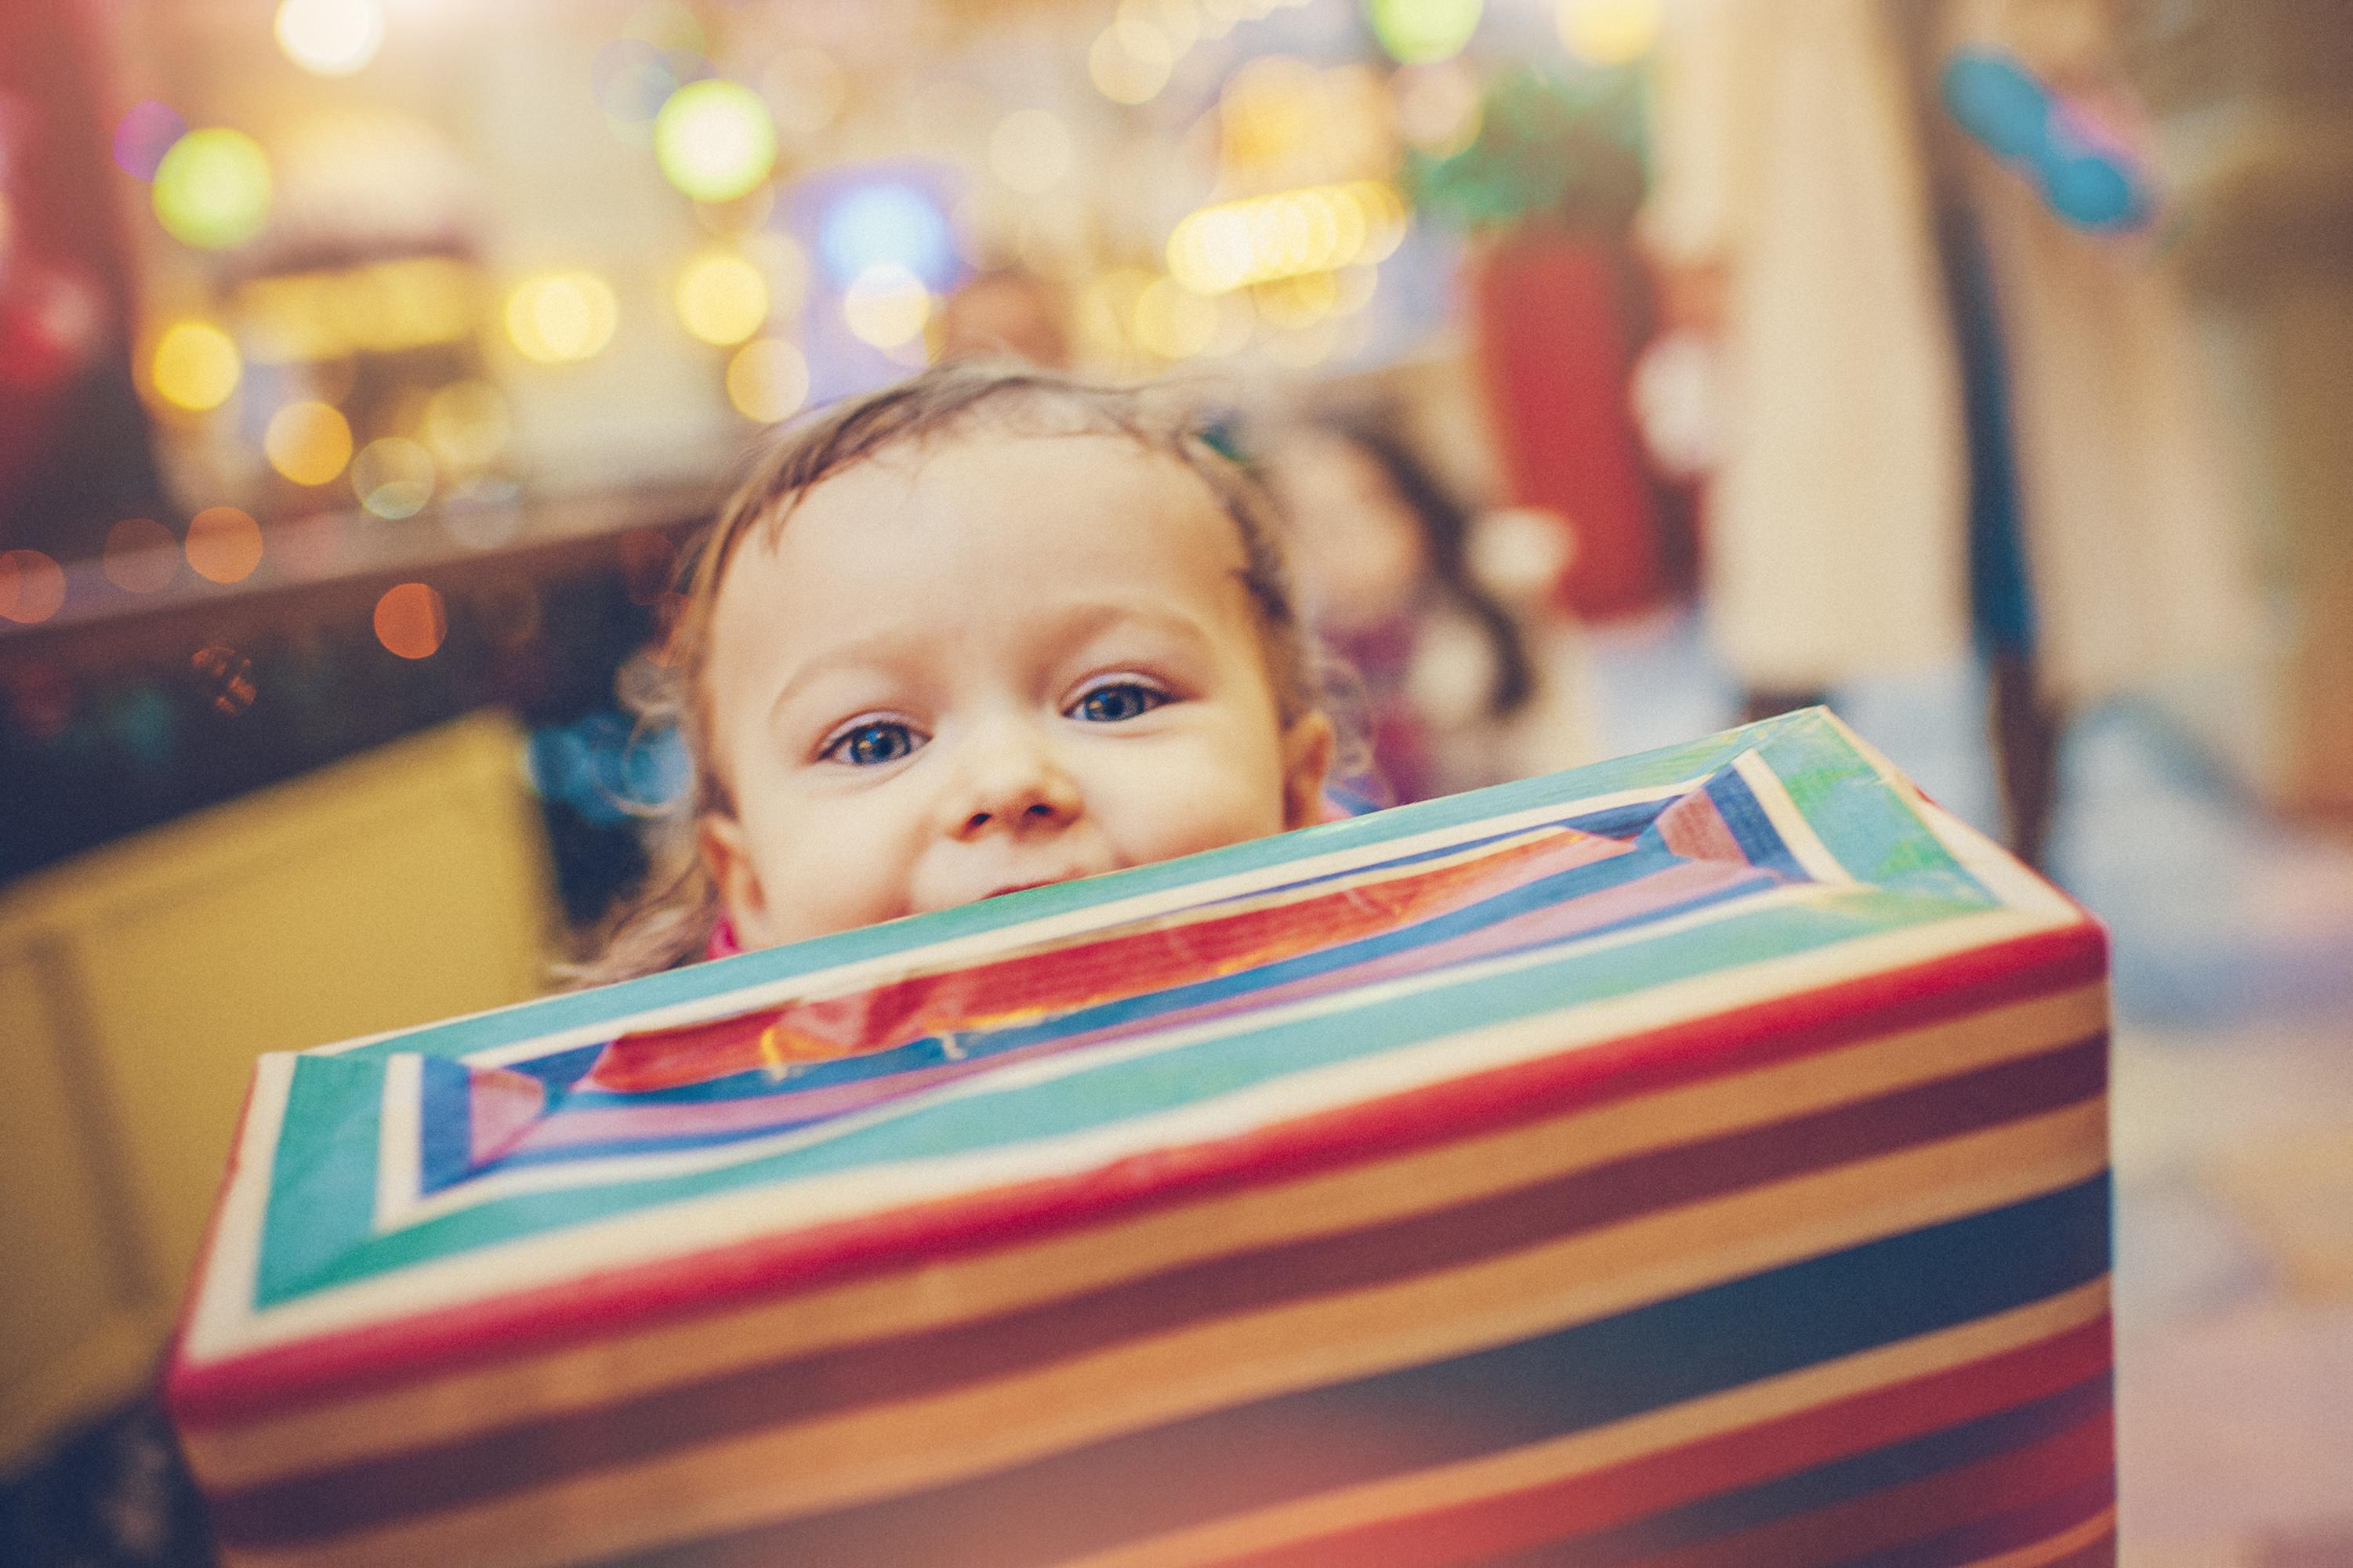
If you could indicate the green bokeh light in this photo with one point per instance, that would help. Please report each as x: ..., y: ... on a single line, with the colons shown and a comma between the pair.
x: 714, y: 140
x: 1422, y: 32
x: 212, y: 189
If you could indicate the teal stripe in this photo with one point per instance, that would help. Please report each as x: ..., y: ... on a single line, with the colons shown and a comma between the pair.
x: 323, y: 1178
x: 330, y: 1251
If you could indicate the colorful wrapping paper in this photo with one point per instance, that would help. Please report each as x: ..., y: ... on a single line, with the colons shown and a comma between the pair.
x: 1695, y: 1159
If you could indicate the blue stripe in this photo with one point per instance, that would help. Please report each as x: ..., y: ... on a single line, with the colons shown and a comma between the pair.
x: 445, y: 1125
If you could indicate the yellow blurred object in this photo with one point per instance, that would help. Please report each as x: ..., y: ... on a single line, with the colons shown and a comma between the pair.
x: 721, y: 298
x: 213, y: 189
x: 768, y: 379
x: 308, y: 442
x: 1291, y: 234
x: 139, y: 982
x: 1611, y: 32
x: 195, y: 367
x: 561, y: 317
x: 886, y: 305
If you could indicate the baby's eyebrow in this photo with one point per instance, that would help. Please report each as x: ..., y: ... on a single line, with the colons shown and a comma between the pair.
x: 884, y: 647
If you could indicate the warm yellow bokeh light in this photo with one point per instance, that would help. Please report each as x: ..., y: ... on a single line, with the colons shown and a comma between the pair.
x: 223, y: 545
x: 886, y: 305
x: 467, y: 426
x: 308, y: 442
x: 559, y: 318
x: 392, y: 476
x: 212, y: 189
x: 332, y: 37
x: 768, y: 379
x: 714, y: 140
x: 721, y: 298
x: 1030, y: 151
x: 1610, y: 32
x: 1130, y: 64
x: 195, y: 367
x: 1174, y: 322
x: 1290, y: 234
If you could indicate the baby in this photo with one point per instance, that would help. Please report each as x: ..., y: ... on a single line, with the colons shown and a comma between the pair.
x: 985, y: 630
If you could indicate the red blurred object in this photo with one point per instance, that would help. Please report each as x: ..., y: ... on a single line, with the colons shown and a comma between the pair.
x: 1555, y: 347
x: 73, y: 453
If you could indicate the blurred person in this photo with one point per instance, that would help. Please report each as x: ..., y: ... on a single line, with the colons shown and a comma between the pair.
x: 1959, y: 392
x: 1458, y: 692
x: 988, y: 629
x: 1006, y: 310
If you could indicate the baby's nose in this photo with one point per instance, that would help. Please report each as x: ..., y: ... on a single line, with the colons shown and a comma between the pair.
x: 1013, y: 783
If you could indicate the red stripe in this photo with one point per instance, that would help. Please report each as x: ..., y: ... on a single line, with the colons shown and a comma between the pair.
x: 1582, y: 1505
x: 505, y: 1327
x: 2083, y: 1454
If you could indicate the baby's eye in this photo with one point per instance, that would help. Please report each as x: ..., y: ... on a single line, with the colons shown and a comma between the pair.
x: 871, y: 745
x: 1116, y: 701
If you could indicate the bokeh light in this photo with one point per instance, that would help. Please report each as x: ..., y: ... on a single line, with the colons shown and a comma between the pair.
x: 332, y: 37
x: 1417, y: 32
x: 143, y: 134
x: 1030, y: 151
x: 767, y: 380
x: 32, y: 586
x: 1173, y: 322
x: 467, y: 425
x: 886, y: 305
x: 721, y: 297
x: 142, y: 556
x: 195, y: 367
x: 560, y: 318
x: 392, y: 476
x: 888, y: 221
x: 411, y: 620
x: 1610, y: 32
x: 212, y: 189
x: 308, y: 442
x: 715, y: 141
x: 223, y: 545
x: 1130, y: 63
x: 1287, y: 235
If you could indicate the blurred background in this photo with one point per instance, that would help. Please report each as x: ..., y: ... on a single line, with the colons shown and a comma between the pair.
x: 1622, y: 367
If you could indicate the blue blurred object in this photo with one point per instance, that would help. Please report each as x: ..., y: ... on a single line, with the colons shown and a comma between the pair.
x: 888, y: 220
x: 2017, y: 117
x: 604, y: 768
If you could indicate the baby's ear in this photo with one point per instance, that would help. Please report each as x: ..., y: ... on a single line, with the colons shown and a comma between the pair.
x: 719, y: 840
x: 1306, y: 760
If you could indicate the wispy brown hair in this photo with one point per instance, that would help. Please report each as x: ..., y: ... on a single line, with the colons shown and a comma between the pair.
x: 670, y: 919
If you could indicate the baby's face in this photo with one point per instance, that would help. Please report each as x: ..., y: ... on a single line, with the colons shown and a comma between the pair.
x: 987, y: 664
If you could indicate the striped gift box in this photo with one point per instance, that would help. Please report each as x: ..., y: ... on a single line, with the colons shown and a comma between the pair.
x: 1695, y: 1159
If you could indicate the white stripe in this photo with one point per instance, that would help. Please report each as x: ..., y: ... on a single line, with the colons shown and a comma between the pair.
x: 1805, y: 846
x: 400, y: 1129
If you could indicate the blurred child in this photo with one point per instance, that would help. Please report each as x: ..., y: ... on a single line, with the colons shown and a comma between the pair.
x: 985, y: 630
x: 1458, y: 694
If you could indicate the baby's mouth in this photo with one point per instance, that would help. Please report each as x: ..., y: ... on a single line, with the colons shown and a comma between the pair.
x: 1024, y: 887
